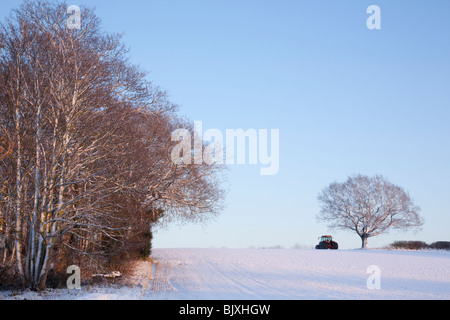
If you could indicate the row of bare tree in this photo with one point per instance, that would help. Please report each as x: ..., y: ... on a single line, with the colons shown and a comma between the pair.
x: 85, y: 143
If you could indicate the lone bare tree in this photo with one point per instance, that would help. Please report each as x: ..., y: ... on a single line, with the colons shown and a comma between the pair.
x: 369, y: 206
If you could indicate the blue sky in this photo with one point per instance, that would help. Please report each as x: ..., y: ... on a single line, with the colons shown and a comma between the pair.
x: 345, y: 99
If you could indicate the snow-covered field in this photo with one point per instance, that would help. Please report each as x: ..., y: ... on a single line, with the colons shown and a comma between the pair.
x: 279, y: 274
x: 302, y: 274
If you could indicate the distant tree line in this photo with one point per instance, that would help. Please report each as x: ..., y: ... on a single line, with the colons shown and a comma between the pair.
x: 420, y: 245
x: 85, y: 144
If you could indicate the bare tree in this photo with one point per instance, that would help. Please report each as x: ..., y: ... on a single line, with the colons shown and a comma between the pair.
x: 368, y: 206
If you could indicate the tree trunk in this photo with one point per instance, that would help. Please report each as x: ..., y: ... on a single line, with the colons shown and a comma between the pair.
x: 364, y: 238
x: 42, y: 279
x: 18, y: 202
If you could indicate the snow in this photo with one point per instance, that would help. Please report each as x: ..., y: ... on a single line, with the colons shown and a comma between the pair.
x: 302, y: 274
x: 288, y: 274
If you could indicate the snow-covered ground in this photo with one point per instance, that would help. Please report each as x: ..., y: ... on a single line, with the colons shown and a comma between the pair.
x: 302, y: 274
x: 278, y: 274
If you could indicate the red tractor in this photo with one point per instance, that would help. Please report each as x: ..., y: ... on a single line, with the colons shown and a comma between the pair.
x: 326, y: 242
